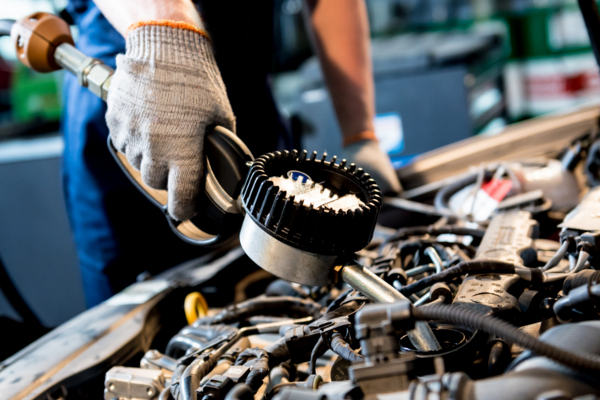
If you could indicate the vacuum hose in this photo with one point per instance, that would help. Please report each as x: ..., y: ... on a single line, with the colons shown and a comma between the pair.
x: 478, y: 321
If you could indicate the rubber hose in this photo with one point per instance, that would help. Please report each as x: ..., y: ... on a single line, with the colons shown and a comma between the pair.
x: 278, y: 352
x: 241, y: 391
x: 180, y: 344
x: 443, y: 195
x: 260, y: 369
x: 466, y: 267
x: 195, y: 335
x: 175, y: 380
x: 317, y: 351
x: 564, y: 308
x: 581, y: 278
x: 193, y: 374
x: 273, y: 354
x: 5, y: 26
x: 478, y: 321
x: 340, y: 347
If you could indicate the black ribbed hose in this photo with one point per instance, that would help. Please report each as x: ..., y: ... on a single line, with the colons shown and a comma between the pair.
x: 476, y: 320
x: 466, y: 267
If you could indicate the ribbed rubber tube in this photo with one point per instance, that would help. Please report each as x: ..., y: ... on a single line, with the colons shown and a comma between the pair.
x: 477, y: 320
x: 467, y: 267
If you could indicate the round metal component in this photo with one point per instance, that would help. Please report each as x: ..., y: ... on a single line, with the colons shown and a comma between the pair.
x: 283, y: 260
x: 311, y: 204
x: 377, y: 290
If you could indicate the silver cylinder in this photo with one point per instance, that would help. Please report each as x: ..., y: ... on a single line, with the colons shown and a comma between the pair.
x: 285, y: 261
x: 378, y: 290
x: 90, y: 72
x: 71, y: 59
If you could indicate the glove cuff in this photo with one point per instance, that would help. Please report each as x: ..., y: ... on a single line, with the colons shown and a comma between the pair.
x: 359, y: 137
x: 167, y: 41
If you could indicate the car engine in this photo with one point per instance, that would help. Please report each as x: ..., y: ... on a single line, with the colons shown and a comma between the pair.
x: 482, y: 285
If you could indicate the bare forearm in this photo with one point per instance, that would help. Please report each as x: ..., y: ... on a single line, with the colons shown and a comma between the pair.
x: 123, y: 13
x: 341, y: 35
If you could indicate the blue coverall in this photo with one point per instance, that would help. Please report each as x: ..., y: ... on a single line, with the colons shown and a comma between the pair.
x: 118, y: 233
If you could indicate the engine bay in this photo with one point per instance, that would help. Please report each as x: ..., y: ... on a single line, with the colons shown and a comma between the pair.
x: 481, y: 285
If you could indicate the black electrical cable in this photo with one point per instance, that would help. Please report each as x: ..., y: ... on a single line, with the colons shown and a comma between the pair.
x: 340, y: 347
x: 14, y: 297
x: 466, y: 267
x: 5, y: 26
x: 476, y: 320
x: 260, y: 369
x: 273, y: 354
x: 317, y: 351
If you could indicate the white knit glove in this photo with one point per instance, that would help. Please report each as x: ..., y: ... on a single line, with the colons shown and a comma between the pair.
x: 165, y: 92
x: 367, y: 155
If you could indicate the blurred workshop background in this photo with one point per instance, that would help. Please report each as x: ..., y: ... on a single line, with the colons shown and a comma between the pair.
x: 444, y: 70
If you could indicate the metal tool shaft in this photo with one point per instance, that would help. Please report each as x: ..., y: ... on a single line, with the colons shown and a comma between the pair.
x: 378, y: 290
x: 90, y: 72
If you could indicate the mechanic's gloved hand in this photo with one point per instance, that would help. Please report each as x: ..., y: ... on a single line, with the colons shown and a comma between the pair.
x: 367, y: 155
x: 165, y: 92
